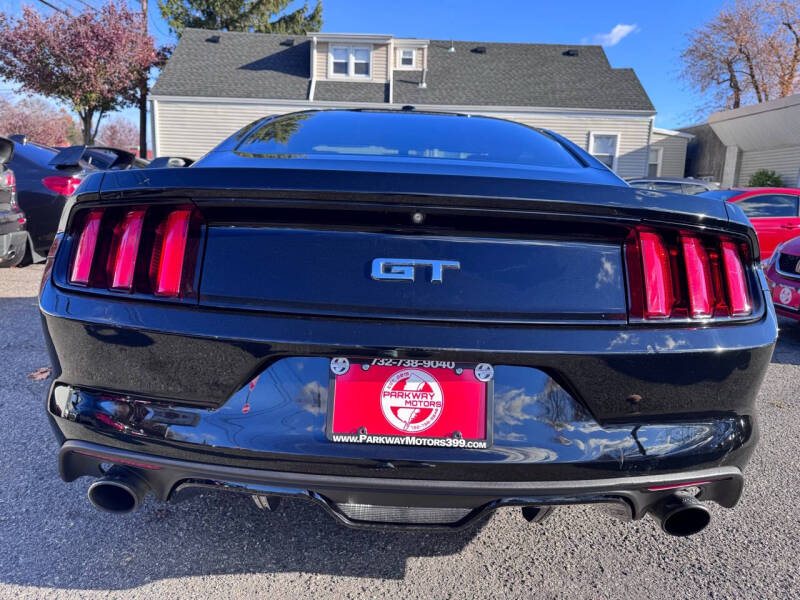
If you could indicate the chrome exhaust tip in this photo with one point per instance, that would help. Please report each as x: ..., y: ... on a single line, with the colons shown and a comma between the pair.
x: 681, y: 514
x: 119, y: 491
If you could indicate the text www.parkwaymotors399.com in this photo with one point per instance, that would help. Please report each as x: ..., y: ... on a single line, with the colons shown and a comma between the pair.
x: 407, y: 440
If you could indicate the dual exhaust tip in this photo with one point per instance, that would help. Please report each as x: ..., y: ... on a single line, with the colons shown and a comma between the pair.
x: 122, y: 490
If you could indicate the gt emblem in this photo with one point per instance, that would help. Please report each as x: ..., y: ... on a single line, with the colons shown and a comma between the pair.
x: 402, y: 269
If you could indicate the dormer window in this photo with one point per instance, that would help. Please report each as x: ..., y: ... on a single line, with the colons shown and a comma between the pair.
x: 350, y: 61
x: 407, y: 58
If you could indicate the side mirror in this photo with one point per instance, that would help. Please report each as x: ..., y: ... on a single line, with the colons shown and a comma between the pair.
x: 6, y: 150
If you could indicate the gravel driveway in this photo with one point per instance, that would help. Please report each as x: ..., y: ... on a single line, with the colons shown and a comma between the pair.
x: 53, y: 544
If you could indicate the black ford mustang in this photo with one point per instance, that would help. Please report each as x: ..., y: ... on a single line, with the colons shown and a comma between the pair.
x: 411, y: 319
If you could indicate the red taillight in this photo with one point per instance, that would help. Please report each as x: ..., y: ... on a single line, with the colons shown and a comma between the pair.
x: 698, y: 276
x: 84, y: 255
x: 686, y: 275
x: 658, y: 296
x: 166, y: 266
x: 62, y: 184
x: 739, y: 298
x: 124, y: 249
x: 117, y: 249
x: 8, y: 180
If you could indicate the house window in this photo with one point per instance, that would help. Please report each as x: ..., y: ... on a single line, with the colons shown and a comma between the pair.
x: 405, y: 57
x: 605, y: 148
x: 349, y: 61
x: 654, y: 163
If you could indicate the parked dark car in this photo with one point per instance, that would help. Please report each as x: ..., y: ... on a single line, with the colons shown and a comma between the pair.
x: 410, y: 319
x: 46, y: 176
x: 13, y: 237
x: 677, y: 185
x: 783, y: 276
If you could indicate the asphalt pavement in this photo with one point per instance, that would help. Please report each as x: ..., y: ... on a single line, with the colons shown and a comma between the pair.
x: 54, y: 544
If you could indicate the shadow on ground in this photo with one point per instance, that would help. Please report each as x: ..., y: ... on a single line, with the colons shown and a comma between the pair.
x: 787, y: 350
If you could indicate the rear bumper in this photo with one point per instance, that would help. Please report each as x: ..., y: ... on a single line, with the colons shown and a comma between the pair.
x: 174, y: 480
x: 581, y: 414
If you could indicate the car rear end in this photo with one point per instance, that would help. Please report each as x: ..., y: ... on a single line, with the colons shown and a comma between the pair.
x: 13, y: 238
x: 405, y: 349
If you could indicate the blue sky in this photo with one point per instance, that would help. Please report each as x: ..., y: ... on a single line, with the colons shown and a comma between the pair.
x: 646, y: 36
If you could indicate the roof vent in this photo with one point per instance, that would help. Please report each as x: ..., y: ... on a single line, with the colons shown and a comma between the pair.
x: 479, y: 50
x: 214, y: 39
x: 287, y: 42
x: 407, y: 108
x: 570, y: 52
x: 452, y: 48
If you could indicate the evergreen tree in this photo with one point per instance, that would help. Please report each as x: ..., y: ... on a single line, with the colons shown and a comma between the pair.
x: 262, y: 16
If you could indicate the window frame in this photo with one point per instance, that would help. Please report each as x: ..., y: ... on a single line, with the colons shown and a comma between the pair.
x: 659, y: 162
x: 616, y: 134
x: 350, y: 49
x: 399, y: 59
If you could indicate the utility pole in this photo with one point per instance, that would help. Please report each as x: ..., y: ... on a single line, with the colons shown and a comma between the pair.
x: 143, y: 96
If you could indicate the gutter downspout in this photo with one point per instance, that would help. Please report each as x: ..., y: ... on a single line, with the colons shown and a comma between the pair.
x: 154, y: 128
x: 390, y: 70
x: 313, y: 69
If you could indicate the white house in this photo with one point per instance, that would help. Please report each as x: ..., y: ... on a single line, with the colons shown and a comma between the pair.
x: 217, y: 82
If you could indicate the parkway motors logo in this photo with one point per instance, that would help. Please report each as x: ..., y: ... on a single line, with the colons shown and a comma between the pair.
x: 412, y: 400
x: 786, y: 294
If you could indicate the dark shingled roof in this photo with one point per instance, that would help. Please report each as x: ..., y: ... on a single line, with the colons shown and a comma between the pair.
x: 253, y: 65
x: 237, y: 65
x: 351, y: 91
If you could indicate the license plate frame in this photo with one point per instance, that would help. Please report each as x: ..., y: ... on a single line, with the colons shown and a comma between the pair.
x: 458, y: 381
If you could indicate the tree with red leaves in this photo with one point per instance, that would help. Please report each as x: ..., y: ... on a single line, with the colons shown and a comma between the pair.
x: 93, y: 61
x: 119, y: 133
x: 39, y: 121
x: 749, y: 52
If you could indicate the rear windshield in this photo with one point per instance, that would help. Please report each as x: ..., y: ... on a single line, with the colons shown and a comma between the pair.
x: 402, y: 135
x: 720, y: 194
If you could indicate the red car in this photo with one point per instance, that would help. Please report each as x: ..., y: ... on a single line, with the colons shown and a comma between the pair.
x: 772, y: 211
x: 783, y: 276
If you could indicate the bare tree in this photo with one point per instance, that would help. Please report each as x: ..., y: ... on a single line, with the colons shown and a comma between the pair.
x: 750, y: 52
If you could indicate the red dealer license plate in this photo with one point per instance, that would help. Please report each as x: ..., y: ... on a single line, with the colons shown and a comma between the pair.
x: 786, y: 296
x: 409, y: 403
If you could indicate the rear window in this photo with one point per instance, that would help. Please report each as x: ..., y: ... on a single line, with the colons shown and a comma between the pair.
x: 402, y: 135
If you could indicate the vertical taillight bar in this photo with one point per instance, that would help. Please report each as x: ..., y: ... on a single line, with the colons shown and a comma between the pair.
x: 735, y: 280
x: 698, y: 276
x: 166, y: 268
x: 658, y: 294
x: 124, y: 249
x: 84, y: 255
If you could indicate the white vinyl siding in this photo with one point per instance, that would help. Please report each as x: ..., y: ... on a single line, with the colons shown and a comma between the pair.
x: 673, y: 153
x: 784, y: 161
x: 633, y: 131
x: 321, y: 66
x: 380, y: 62
x: 192, y: 128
